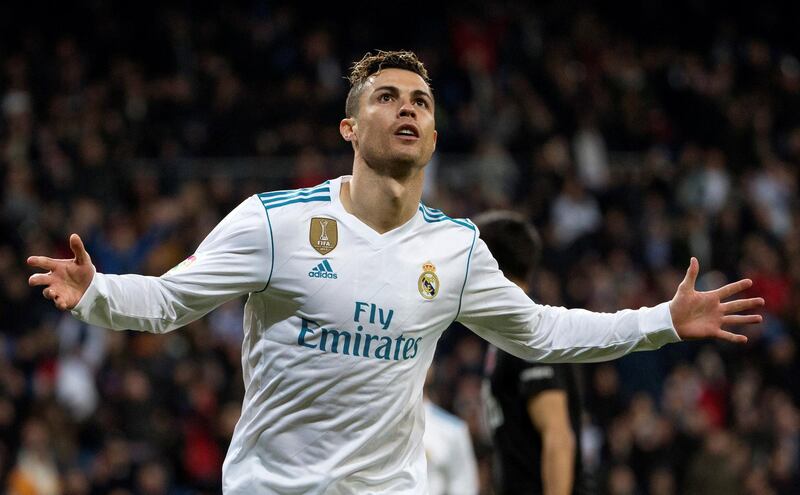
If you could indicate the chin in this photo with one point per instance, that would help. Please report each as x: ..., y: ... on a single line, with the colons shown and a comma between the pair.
x: 397, y: 160
x: 410, y: 162
x: 396, y: 165
x: 410, y: 157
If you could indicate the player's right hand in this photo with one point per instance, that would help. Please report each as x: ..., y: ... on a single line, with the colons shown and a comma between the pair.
x: 66, y: 280
x: 699, y: 315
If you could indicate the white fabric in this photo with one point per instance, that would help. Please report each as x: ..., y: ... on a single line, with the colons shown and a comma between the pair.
x: 452, y: 468
x: 318, y: 416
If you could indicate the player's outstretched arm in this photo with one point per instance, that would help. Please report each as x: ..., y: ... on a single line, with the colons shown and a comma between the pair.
x: 233, y: 260
x: 699, y: 315
x: 66, y: 280
x: 496, y: 309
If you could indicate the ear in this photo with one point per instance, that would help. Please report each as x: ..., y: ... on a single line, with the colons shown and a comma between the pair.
x: 435, y: 135
x: 347, y: 128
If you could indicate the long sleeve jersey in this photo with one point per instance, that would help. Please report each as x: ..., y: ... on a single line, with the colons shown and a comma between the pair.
x: 340, y: 327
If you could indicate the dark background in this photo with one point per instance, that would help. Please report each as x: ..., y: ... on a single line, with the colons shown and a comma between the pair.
x: 634, y: 135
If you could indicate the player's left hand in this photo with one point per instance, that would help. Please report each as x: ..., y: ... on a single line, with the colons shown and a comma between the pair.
x: 66, y: 280
x: 699, y: 315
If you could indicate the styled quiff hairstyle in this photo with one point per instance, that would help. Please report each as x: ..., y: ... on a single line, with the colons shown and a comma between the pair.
x: 371, y: 64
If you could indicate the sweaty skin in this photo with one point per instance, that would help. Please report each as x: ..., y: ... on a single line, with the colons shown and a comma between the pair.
x: 388, y: 164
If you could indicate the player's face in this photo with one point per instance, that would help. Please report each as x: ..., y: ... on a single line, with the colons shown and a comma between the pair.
x: 395, y: 123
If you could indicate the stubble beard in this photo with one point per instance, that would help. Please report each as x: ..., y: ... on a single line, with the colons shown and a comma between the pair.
x: 394, y: 164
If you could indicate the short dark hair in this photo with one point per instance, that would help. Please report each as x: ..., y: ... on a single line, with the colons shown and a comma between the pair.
x: 513, y: 241
x: 372, y: 63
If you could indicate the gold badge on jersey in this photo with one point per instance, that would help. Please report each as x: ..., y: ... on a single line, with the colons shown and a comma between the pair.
x: 323, y: 235
x: 428, y: 283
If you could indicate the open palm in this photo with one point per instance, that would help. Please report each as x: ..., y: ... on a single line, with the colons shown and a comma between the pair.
x: 699, y: 315
x: 66, y: 280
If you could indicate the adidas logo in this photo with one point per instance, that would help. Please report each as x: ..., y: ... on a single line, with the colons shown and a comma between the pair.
x: 323, y: 270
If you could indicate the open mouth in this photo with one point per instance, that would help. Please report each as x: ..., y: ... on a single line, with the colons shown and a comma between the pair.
x: 407, y: 131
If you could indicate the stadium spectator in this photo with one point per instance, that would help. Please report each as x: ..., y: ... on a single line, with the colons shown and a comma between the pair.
x: 143, y: 81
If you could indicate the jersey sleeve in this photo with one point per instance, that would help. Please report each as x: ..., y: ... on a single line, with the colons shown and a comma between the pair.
x: 499, y: 311
x: 233, y: 260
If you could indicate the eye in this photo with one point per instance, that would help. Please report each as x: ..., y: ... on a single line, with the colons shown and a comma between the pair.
x: 385, y: 97
x: 421, y: 102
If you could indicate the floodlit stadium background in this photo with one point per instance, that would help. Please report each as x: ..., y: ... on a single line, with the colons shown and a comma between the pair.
x: 633, y: 137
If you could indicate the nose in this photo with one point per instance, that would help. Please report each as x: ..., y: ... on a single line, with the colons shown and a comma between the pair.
x: 407, y: 110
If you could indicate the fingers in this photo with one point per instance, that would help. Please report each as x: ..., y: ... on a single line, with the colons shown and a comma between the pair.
x: 741, y: 319
x: 76, y: 244
x: 742, y: 305
x: 727, y: 291
x: 691, y: 275
x: 42, y: 262
x: 49, y: 293
x: 52, y: 295
x: 40, y: 279
x: 731, y: 337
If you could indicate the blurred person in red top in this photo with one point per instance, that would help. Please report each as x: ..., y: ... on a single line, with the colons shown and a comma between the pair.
x: 763, y: 264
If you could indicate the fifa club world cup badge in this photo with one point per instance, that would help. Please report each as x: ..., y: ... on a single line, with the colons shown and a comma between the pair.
x: 428, y: 282
x: 323, y: 235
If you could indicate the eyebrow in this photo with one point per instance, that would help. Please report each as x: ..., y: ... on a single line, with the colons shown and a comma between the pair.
x: 395, y: 90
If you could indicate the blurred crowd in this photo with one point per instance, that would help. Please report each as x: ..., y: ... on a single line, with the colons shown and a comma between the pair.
x: 629, y: 146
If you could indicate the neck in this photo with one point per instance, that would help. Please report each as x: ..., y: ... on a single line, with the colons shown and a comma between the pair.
x: 383, y: 202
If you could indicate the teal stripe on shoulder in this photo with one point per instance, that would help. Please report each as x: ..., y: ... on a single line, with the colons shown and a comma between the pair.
x: 463, y: 222
x: 283, y: 191
x: 279, y: 195
x: 292, y: 194
x: 425, y: 215
x: 440, y: 217
x: 303, y: 194
x: 293, y: 200
x: 432, y: 212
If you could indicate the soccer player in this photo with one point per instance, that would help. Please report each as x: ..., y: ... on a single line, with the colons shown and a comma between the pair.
x: 533, y: 409
x: 452, y: 467
x: 350, y: 284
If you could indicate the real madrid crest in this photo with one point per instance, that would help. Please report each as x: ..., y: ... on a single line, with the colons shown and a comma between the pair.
x: 428, y: 282
x: 323, y: 235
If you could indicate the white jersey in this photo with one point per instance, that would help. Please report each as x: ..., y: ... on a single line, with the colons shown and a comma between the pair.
x: 452, y: 468
x: 340, y: 327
